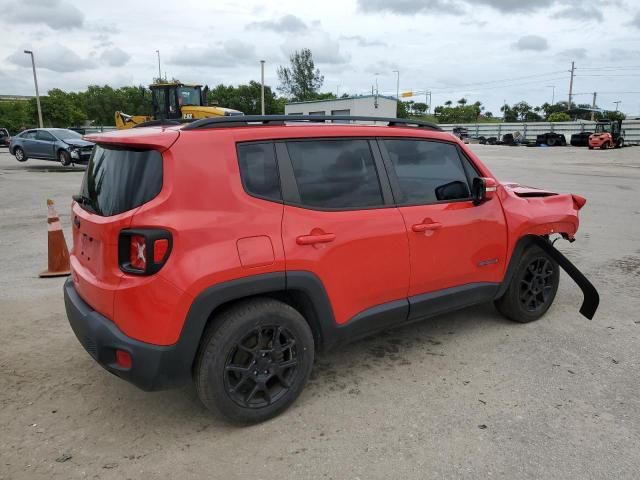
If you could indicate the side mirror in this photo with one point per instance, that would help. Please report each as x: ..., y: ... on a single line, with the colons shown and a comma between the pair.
x: 483, y: 189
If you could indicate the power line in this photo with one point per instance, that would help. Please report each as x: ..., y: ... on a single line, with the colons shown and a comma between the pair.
x: 503, y: 80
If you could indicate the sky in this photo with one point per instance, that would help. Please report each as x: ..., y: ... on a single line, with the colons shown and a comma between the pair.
x: 484, y: 50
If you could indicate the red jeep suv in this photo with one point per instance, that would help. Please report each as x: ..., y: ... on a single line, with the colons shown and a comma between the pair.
x: 228, y: 251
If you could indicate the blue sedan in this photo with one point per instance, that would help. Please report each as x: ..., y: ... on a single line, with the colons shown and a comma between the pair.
x: 60, y: 144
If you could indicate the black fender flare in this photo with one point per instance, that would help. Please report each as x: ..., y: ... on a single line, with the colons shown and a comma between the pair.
x: 591, y: 298
x: 272, y: 283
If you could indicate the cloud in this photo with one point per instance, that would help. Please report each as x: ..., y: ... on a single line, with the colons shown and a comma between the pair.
x: 102, y: 40
x: 511, y: 6
x: 114, y: 57
x: 57, y: 58
x: 57, y: 14
x: 324, y: 48
x: 222, y: 55
x: 285, y: 24
x: 410, y: 7
x: 362, y: 42
x: 636, y: 21
x: 579, y: 13
x: 574, y: 53
x: 532, y: 42
x: 382, y: 67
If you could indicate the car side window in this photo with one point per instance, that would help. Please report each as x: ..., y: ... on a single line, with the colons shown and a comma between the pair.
x: 427, y: 171
x: 258, y: 170
x: 31, y: 135
x: 45, y: 136
x: 335, y: 174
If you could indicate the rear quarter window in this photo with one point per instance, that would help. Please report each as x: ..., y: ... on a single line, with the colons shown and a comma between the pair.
x: 259, y: 171
x: 118, y: 180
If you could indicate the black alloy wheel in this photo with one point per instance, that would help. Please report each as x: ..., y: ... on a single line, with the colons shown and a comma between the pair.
x: 261, y: 368
x: 537, y: 284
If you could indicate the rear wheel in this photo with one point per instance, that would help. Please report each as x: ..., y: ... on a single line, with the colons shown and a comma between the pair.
x: 64, y: 158
x: 254, y: 361
x: 20, y: 155
x: 551, y: 141
x: 532, y: 289
x: 620, y: 143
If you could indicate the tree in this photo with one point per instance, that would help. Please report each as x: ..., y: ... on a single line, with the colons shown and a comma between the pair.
x: 559, y: 117
x: 246, y: 98
x: 302, y: 80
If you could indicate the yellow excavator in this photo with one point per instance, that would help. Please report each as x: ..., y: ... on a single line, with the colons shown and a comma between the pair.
x: 175, y: 102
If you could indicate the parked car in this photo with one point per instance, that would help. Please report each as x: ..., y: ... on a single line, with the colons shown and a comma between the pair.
x: 60, y: 144
x: 5, y: 138
x: 313, y: 236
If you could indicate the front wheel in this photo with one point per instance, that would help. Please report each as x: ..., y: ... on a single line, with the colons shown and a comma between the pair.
x: 254, y: 360
x: 605, y: 145
x: 20, y: 155
x: 532, y: 288
x: 64, y: 158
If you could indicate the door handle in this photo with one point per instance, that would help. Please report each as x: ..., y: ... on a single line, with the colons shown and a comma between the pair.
x: 423, y: 227
x: 313, y: 239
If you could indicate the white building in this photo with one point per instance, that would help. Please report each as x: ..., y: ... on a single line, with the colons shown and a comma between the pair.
x: 367, y: 106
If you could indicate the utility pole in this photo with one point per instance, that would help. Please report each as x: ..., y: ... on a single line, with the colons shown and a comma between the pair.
x: 573, y: 68
x: 593, y: 105
x: 262, y: 85
x: 618, y: 102
x: 35, y: 81
x: 159, y: 71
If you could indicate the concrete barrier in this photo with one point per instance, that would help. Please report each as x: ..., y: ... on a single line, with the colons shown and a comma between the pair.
x: 530, y: 130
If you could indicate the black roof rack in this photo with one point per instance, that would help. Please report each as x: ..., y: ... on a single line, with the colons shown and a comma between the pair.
x: 250, y: 120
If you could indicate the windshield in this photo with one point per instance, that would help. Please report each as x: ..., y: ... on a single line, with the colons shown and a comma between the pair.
x: 189, y: 96
x: 603, y: 127
x: 64, y: 134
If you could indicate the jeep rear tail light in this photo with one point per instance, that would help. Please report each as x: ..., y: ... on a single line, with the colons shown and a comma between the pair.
x: 143, y: 251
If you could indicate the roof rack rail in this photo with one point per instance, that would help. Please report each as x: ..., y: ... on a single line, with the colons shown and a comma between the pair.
x: 247, y: 120
x: 161, y: 123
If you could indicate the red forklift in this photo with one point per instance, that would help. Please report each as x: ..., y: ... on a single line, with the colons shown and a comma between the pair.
x: 608, y: 134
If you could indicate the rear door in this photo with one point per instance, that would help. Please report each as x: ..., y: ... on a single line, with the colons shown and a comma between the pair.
x: 116, y: 182
x: 28, y: 142
x: 341, y: 225
x: 453, y: 243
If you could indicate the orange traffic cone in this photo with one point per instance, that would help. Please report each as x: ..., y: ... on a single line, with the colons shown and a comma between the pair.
x: 58, y: 251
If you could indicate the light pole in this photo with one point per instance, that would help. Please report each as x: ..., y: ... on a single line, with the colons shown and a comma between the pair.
x: 35, y: 81
x: 617, y: 102
x: 397, y: 72
x: 262, y: 85
x: 553, y: 93
x: 159, y: 72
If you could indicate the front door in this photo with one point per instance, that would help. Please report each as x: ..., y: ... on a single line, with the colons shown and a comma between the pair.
x: 340, y: 225
x: 453, y: 243
x: 43, y: 145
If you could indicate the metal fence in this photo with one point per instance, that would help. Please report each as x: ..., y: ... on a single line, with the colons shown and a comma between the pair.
x: 530, y: 130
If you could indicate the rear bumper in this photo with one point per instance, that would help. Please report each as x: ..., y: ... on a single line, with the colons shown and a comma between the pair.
x: 153, y: 367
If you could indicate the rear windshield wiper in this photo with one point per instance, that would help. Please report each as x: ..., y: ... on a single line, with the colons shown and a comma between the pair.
x: 85, y: 202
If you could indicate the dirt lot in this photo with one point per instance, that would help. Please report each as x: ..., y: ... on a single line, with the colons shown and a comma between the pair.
x: 466, y: 395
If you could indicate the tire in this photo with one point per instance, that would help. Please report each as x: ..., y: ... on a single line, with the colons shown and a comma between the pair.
x: 605, y: 145
x: 620, y: 143
x: 19, y: 154
x: 532, y: 289
x: 64, y: 158
x: 240, y: 340
x: 590, y: 147
x: 551, y: 141
x: 563, y: 141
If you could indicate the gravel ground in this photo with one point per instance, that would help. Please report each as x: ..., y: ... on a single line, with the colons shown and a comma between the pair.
x: 465, y: 395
